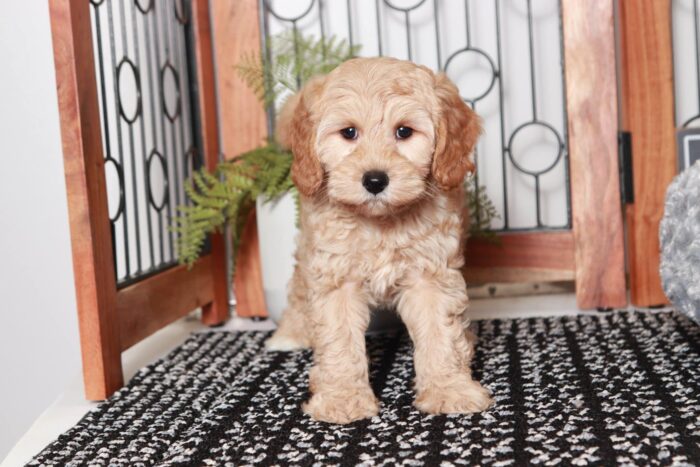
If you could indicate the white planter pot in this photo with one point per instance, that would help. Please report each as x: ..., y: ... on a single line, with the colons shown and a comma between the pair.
x: 277, y: 232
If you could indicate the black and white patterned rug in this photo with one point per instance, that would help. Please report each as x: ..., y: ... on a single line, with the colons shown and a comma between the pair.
x: 596, y: 389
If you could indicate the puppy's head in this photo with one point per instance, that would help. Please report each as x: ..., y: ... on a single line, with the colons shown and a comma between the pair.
x: 378, y: 134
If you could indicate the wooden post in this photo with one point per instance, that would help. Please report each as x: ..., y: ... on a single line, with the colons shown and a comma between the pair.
x: 591, y: 94
x: 91, y: 239
x: 217, y: 311
x: 647, y: 110
x: 243, y: 127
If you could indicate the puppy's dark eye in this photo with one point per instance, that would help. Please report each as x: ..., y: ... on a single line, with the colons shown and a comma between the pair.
x: 403, y: 132
x: 349, y: 133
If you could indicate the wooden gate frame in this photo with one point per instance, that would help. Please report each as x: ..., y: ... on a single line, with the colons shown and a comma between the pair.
x: 236, y: 31
x: 648, y: 114
x: 592, y: 106
x: 592, y: 252
x: 113, y: 320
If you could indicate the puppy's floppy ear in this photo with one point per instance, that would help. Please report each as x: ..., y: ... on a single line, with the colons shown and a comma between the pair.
x: 458, y: 130
x: 296, y: 131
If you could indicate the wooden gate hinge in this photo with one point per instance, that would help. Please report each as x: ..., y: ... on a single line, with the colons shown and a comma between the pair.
x: 624, y: 140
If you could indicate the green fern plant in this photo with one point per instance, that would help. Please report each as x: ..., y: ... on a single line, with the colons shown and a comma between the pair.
x: 227, y: 196
x: 482, y: 211
x: 294, y: 58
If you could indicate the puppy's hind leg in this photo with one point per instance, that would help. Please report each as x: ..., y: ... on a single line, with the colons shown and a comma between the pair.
x: 293, y: 331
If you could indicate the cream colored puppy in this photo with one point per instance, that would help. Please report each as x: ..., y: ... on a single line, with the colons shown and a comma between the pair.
x: 381, y: 148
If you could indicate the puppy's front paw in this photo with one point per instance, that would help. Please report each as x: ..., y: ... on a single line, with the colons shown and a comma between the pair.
x: 282, y: 343
x: 470, y: 397
x: 342, y: 406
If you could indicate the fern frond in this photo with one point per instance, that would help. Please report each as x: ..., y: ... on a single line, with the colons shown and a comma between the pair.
x: 294, y: 59
x: 226, y: 196
x: 482, y: 211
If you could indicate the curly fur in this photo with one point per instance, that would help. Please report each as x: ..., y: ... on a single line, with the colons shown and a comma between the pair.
x: 402, y: 247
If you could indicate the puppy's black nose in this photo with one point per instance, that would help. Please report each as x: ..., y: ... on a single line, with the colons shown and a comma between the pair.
x: 375, y: 181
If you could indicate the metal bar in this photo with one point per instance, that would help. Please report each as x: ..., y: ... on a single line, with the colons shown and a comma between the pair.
x: 379, y: 28
x: 189, y: 90
x: 476, y: 178
x: 408, y: 33
x: 297, y: 62
x: 125, y: 221
x: 350, y: 38
x: 164, y: 139
x: 172, y: 154
x: 265, y: 38
x: 532, y: 60
x: 467, y: 24
x: 437, y: 34
x: 501, y: 114
x: 537, y: 200
x: 193, y: 88
x: 322, y: 24
x: 183, y: 85
x: 148, y: 34
x: 144, y: 153
x: 132, y: 149
x: 169, y: 42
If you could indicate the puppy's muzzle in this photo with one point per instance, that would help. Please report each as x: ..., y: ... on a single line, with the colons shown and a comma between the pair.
x: 375, y: 181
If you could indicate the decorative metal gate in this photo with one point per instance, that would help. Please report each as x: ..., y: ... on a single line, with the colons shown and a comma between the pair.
x: 150, y: 125
x: 130, y: 111
x: 522, y: 159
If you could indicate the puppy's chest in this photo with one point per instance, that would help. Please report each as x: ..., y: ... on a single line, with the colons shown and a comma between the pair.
x: 383, y: 256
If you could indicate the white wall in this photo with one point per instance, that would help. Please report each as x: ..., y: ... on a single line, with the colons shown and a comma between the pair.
x: 39, y: 350
x: 684, y: 62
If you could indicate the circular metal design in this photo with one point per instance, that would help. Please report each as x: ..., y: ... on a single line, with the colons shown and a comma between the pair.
x: 478, y: 53
x: 120, y: 184
x: 168, y: 110
x: 286, y: 18
x: 404, y: 9
x: 692, y: 119
x: 164, y: 168
x: 97, y: 2
x: 141, y: 8
x: 546, y: 126
x: 180, y: 13
x: 124, y: 65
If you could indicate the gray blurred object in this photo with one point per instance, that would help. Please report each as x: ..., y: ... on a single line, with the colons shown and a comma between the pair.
x: 680, y: 242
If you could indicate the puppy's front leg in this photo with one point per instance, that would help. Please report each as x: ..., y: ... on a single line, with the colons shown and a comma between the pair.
x: 339, y: 379
x: 432, y: 310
